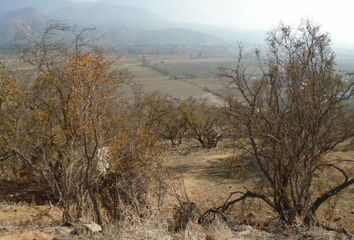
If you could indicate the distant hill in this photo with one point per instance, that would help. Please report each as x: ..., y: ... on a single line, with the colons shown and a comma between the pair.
x: 23, y: 21
x: 107, y: 16
x: 42, y: 5
x: 121, y: 24
x: 230, y: 34
x: 169, y: 36
x: 178, y: 36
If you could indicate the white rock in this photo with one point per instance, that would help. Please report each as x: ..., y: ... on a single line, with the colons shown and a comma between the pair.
x: 63, y: 230
x: 93, y: 227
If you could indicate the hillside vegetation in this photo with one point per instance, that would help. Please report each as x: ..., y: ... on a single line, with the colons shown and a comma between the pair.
x: 85, y: 152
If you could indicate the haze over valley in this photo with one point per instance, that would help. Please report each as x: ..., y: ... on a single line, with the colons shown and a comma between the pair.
x: 176, y: 119
x: 163, y: 32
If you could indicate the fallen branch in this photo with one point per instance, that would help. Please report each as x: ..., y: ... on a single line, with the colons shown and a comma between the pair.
x: 319, y: 201
x: 221, y: 210
x: 338, y: 230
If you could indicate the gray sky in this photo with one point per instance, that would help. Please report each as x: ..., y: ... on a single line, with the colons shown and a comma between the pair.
x: 336, y: 17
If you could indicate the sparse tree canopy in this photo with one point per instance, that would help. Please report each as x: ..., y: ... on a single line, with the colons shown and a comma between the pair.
x: 71, y: 103
x: 72, y: 123
x: 205, y: 122
x: 12, y: 97
x: 296, y: 113
x: 168, y: 117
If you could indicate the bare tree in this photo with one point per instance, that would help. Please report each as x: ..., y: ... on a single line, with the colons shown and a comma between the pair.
x: 297, y: 112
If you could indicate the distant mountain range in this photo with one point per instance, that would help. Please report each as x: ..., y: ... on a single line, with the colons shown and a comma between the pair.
x: 125, y: 24
x: 47, y: 6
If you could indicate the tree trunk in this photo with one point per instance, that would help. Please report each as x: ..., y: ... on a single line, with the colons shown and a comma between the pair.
x: 96, y: 207
x: 173, y: 144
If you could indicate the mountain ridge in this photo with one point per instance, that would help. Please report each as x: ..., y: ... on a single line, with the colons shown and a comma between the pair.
x: 124, y: 24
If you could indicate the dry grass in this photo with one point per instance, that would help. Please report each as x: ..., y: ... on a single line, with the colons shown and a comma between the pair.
x: 27, y: 235
x: 208, y: 177
x: 154, y: 228
x: 339, y: 211
x: 22, y: 221
x: 23, y: 214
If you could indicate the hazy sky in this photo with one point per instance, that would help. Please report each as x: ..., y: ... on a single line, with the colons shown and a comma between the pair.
x: 337, y: 17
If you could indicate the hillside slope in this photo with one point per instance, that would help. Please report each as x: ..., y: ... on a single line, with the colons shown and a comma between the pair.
x: 20, y: 22
x: 115, y: 24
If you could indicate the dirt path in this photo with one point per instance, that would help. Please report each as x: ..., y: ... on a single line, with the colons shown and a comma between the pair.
x: 209, y: 176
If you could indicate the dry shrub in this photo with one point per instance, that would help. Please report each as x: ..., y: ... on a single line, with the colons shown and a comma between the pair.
x: 292, y: 117
x: 154, y: 226
x: 205, y: 122
x: 150, y: 227
x: 94, y: 152
x: 185, y: 212
x: 130, y: 191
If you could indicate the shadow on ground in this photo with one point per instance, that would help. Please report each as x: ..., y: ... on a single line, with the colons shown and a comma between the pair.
x: 25, y: 191
x: 220, y: 170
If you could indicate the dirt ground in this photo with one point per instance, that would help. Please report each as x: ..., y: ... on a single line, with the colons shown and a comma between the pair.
x: 25, y: 222
x: 208, y: 177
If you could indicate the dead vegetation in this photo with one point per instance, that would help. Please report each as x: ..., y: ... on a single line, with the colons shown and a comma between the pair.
x: 292, y: 117
x: 83, y: 160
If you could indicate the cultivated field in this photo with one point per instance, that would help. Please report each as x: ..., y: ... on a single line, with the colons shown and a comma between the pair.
x: 179, y: 77
x: 205, y: 177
